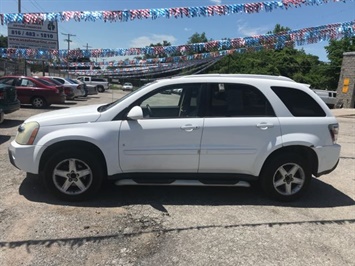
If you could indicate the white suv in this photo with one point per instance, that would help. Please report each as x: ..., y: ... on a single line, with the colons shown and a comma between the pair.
x: 220, y: 130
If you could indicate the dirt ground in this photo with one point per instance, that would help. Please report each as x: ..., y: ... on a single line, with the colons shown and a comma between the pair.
x: 176, y: 225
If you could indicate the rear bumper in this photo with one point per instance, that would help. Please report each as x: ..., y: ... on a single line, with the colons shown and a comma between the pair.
x: 11, y: 107
x: 328, y: 158
x: 328, y: 171
x: 59, y: 99
x: 1, y: 116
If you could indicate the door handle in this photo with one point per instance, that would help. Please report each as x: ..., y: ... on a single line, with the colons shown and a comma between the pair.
x: 264, y: 125
x: 189, y: 127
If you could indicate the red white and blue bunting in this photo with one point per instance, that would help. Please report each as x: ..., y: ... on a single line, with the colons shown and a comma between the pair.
x: 156, y: 13
x: 270, y: 41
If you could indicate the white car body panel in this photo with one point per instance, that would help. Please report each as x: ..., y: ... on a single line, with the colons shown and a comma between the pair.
x: 160, y: 145
x: 82, y: 114
x: 226, y: 145
x: 88, y: 132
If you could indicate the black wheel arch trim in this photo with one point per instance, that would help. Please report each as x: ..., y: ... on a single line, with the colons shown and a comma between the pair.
x: 305, y: 152
x: 70, y: 145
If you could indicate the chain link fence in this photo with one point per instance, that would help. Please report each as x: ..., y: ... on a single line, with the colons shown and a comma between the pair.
x: 8, y: 67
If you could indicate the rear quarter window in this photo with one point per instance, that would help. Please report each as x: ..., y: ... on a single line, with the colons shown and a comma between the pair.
x: 298, y: 102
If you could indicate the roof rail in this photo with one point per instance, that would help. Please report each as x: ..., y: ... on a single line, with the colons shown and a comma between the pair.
x: 256, y: 76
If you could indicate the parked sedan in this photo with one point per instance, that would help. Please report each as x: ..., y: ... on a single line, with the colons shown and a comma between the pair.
x: 78, y: 88
x: 39, y: 93
x: 69, y: 91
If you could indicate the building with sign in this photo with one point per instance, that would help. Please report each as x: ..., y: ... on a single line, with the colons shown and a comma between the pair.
x: 346, y: 85
x: 35, y: 36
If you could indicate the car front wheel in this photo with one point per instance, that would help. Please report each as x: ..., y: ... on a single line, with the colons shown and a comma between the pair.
x: 73, y: 175
x: 285, y: 177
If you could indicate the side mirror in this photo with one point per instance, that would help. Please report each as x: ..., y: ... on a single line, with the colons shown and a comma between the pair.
x: 135, y: 113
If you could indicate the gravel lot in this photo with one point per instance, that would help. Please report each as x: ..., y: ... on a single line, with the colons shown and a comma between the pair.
x: 176, y: 225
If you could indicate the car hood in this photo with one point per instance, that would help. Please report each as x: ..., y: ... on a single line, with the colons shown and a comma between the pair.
x: 74, y: 115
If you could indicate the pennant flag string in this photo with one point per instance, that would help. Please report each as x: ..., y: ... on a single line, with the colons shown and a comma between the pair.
x: 275, y: 41
x: 141, y: 72
x: 173, y: 12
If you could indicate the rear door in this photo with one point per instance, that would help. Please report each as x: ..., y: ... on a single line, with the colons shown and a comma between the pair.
x: 240, y: 126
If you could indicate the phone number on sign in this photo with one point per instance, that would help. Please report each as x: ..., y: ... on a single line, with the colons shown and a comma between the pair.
x: 32, y: 34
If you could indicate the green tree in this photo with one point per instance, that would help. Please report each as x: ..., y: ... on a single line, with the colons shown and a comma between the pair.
x: 161, y: 55
x: 3, y: 41
x: 197, y: 38
x: 165, y: 43
x: 290, y: 62
x: 278, y: 29
x: 335, y: 51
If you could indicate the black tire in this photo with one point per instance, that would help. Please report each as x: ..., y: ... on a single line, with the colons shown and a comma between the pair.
x: 100, y: 89
x: 285, y: 177
x: 38, y: 102
x: 73, y: 175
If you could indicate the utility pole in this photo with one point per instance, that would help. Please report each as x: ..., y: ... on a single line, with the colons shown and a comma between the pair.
x: 87, y: 49
x: 19, y: 6
x: 87, y: 46
x: 68, y: 41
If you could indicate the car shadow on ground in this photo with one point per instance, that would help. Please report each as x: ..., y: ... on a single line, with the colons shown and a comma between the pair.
x: 49, y: 108
x: 80, y: 99
x: 320, y: 195
x: 9, y: 123
x: 68, y: 103
x: 4, y: 139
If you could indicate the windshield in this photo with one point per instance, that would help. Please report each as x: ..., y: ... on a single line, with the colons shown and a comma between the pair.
x: 70, y: 81
x: 105, y: 107
x: 73, y: 81
x: 53, y: 81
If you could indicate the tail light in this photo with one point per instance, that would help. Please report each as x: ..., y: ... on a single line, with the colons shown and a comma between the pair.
x: 334, y: 131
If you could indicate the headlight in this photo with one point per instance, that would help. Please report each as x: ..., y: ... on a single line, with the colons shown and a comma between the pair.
x: 27, y: 133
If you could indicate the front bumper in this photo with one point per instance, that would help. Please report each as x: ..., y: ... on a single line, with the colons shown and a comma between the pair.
x: 23, y: 157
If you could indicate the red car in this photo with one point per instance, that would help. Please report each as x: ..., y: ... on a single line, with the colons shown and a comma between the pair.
x: 37, y: 92
x: 69, y: 91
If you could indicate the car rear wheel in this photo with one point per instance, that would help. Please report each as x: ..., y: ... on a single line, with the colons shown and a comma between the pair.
x: 38, y: 102
x: 285, y: 177
x: 73, y: 175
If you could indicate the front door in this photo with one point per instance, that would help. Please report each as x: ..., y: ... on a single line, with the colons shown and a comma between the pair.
x: 168, y: 138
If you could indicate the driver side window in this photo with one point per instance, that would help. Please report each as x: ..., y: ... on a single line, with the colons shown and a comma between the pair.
x: 173, y: 101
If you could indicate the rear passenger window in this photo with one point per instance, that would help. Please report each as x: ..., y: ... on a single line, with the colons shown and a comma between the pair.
x: 298, y: 102
x: 233, y: 100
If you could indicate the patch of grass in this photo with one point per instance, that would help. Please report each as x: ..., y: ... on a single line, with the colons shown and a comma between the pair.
x: 115, y: 86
